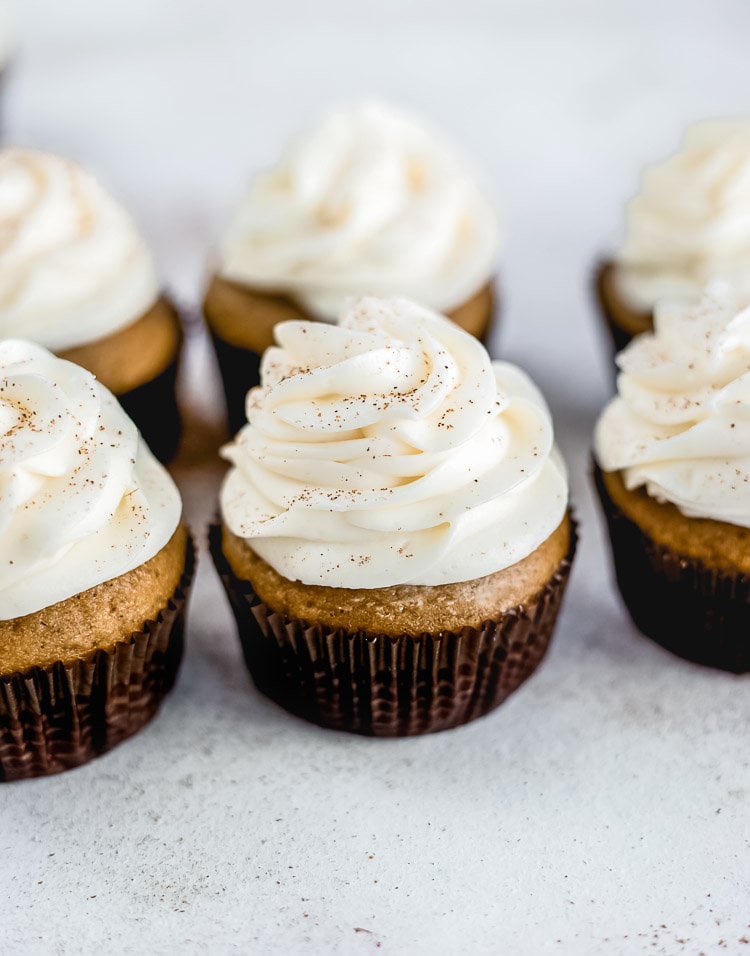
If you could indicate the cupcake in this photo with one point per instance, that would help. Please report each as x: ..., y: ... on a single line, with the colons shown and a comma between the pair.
x: 673, y: 475
x: 95, y: 564
x: 369, y: 202
x: 689, y: 225
x: 77, y: 278
x: 395, y: 538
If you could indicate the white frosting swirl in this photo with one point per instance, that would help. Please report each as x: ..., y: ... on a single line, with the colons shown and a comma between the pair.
x: 680, y: 425
x: 388, y: 449
x: 369, y: 202
x: 73, y: 268
x: 82, y: 499
x: 690, y: 223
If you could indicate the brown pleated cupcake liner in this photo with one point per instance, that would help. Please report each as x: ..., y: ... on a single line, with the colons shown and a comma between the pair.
x: 153, y: 407
x: 695, y: 611
x: 386, y: 686
x: 58, y: 717
x: 240, y: 371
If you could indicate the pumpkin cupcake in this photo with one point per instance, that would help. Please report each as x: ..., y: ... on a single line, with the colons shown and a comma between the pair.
x: 94, y: 568
x: 369, y: 202
x: 673, y: 475
x: 689, y: 224
x: 395, y: 537
x: 76, y: 277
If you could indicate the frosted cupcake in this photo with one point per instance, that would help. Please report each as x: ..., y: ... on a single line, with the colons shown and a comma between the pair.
x: 94, y: 568
x: 395, y: 536
x: 369, y: 202
x: 77, y: 278
x: 673, y: 475
x: 689, y: 225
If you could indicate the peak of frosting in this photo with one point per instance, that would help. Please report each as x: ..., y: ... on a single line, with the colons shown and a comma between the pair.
x: 680, y: 425
x: 73, y: 267
x: 83, y: 500
x: 368, y: 202
x: 388, y: 449
x: 690, y: 222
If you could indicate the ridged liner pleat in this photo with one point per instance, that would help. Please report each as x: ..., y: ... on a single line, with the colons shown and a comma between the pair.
x: 386, y: 686
x: 697, y: 612
x: 57, y: 717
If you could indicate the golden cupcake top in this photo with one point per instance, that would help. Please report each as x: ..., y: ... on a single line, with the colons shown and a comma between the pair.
x: 73, y: 267
x: 690, y: 222
x: 83, y: 499
x: 679, y: 425
x: 370, y: 201
x: 388, y: 449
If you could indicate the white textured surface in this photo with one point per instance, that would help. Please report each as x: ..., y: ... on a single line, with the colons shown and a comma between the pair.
x: 605, y: 807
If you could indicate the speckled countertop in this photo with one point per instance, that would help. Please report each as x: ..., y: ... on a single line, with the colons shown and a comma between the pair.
x: 604, y: 808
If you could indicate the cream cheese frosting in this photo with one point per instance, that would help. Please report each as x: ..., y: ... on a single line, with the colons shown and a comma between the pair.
x: 680, y: 425
x: 370, y: 202
x: 690, y: 223
x: 73, y: 267
x: 388, y: 449
x: 82, y: 498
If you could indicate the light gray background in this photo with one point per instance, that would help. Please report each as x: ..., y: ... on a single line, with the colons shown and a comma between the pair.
x: 604, y: 808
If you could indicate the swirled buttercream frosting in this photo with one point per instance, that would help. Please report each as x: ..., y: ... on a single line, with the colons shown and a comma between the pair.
x: 388, y: 449
x: 73, y: 267
x: 371, y: 203
x: 82, y: 499
x: 690, y: 222
x: 680, y: 424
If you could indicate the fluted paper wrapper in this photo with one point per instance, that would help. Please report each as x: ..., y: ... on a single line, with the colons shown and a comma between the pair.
x: 388, y: 686
x: 58, y: 717
x: 697, y: 612
x: 153, y: 407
